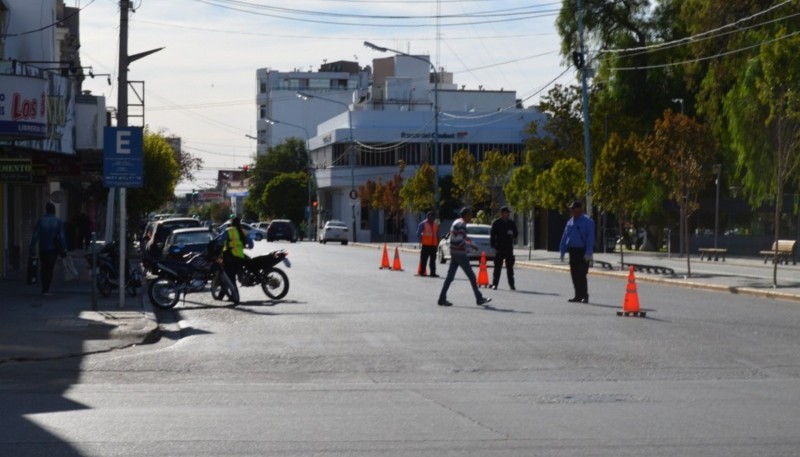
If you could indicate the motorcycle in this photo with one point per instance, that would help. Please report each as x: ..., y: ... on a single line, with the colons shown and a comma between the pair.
x: 107, y: 273
x: 176, y: 277
x: 262, y: 270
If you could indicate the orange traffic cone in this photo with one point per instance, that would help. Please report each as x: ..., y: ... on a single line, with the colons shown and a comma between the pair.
x: 421, y: 270
x: 630, y: 307
x: 483, y: 272
x: 396, y: 265
x: 385, y: 259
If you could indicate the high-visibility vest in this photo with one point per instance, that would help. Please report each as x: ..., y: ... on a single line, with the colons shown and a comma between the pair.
x: 430, y: 234
x: 234, y: 244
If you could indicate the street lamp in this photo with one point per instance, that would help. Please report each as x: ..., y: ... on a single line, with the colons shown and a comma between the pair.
x: 307, y: 96
x: 435, y: 116
x: 308, y: 182
x: 683, y: 241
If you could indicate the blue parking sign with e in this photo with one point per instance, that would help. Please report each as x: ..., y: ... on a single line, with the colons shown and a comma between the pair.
x: 123, y: 157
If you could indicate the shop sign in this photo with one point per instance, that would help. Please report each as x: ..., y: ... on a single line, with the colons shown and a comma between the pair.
x: 23, y: 107
x: 15, y: 170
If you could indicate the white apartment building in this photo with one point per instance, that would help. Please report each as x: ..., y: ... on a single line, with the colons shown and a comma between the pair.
x: 277, y: 99
x: 392, y: 121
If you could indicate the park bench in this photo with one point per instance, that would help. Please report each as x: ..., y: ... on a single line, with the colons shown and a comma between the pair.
x: 785, y: 250
x: 716, y: 252
x: 650, y: 268
x: 601, y: 264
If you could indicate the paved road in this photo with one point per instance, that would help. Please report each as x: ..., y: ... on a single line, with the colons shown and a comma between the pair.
x: 359, y: 361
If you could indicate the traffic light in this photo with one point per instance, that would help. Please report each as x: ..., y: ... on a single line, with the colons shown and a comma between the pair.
x: 578, y: 59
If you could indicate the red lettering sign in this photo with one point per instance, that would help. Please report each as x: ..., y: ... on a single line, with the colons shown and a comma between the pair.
x: 23, y: 109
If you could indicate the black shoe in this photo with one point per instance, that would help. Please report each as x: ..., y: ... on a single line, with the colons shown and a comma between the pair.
x: 493, y: 286
x: 574, y: 300
x: 512, y: 287
x: 483, y: 301
x: 445, y: 303
x: 584, y: 299
x: 434, y: 275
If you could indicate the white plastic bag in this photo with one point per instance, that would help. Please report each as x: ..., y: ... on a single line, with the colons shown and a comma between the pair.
x: 70, y: 272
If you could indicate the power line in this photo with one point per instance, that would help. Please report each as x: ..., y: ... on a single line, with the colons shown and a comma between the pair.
x: 54, y: 24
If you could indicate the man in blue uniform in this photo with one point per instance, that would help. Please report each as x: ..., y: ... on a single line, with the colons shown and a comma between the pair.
x: 578, y: 240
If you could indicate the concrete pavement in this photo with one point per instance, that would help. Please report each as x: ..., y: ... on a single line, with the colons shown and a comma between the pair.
x: 37, y: 327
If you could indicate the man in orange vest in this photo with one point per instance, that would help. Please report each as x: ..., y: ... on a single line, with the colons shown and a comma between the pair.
x: 428, y: 234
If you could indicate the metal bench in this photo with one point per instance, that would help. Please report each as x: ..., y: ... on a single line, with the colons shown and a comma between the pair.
x: 707, y: 252
x: 781, y: 251
x: 602, y: 264
x: 650, y: 268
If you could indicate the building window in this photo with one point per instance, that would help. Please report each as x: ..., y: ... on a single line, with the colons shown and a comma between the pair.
x: 262, y: 87
x: 262, y: 111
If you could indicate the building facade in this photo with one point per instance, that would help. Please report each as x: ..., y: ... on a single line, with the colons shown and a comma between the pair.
x: 50, y: 132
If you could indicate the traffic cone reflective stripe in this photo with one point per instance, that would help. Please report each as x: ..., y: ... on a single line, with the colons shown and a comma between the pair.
x: 630, y: 306
x: 385, y: 259
x: 483, y: 272
x: 396, y: 266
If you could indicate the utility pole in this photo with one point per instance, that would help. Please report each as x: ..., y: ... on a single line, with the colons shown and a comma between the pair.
x: 122, y: 122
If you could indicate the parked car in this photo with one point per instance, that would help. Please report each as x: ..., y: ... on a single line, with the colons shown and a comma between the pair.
x: 480, y: 236
x: 263, y: 225
x: 258, y: 234
x: 160, y: 231
x: 281, y: 229
x: 334, y: 231
x: 182, y: 241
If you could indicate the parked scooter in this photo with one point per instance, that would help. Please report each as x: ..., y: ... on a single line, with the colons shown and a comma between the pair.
x: 107, y: 271
x: 180, y: 277
x: 262, y: 270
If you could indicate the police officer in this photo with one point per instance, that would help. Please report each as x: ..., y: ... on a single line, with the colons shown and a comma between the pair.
x: 578, y: 240
x: 504, y: 232
x: 428, y: 234
x: 234, y: 241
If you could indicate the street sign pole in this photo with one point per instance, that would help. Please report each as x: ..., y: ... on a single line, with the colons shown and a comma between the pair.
x: 122, y: 122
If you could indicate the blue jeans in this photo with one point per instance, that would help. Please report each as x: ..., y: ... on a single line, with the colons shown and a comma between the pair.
x: 456, y: 261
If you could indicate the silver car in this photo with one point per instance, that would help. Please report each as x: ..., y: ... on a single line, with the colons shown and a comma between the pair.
x: 479, y: 234
x: 334, y: 231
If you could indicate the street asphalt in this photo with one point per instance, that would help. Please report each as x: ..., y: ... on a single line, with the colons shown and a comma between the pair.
x: 35, y: 327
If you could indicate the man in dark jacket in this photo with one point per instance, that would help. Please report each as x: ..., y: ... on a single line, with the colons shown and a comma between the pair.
x: 504, y: 232
x: 49, y: 238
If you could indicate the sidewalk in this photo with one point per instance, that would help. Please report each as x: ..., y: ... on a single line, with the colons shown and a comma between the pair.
x: 737, y: 275
x: 36, y: 327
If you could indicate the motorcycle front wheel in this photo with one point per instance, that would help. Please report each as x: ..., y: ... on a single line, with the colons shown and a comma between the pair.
x: 275, y: 284
x: 163, y: 293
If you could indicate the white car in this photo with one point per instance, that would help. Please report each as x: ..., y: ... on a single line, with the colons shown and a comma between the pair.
x: 258, y: 234
x: 479, y: 234
x: 334, y: 231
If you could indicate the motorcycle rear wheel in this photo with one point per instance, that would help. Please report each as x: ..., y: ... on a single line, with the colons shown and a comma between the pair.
x: 275, y: 284
x: 103, y: 280
x: 163, y: 293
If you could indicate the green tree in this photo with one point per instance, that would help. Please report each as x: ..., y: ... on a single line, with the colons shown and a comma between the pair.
x: 289, y: 156
x: 496, y: 171
x: 161, y: 174
x: 680, y: 153
x: 521, y: 194
x: 417, y: 192
x: 764, y: 122
x: 285, y: 197
x: 564, y: 181
x: 467, y: 179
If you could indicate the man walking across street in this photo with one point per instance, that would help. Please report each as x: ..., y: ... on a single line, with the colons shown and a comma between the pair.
x: 578, y: 240
x: 459, y: 243
x: 428, y: 234
x: 504, y: 232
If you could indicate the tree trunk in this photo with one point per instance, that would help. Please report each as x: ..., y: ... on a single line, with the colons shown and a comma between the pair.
x: 776, y: 235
